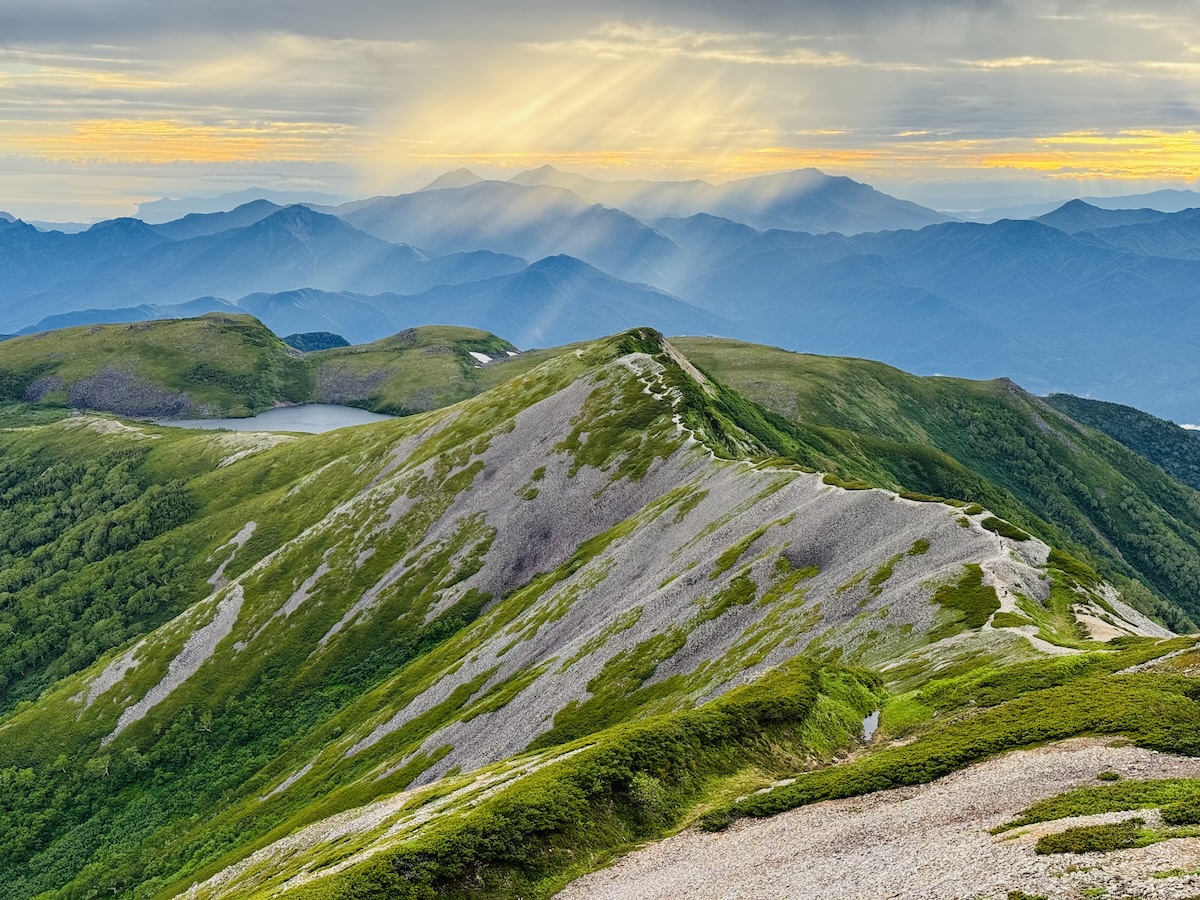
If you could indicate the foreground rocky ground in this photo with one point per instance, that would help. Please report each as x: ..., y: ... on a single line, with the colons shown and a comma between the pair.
x: 930, y: 841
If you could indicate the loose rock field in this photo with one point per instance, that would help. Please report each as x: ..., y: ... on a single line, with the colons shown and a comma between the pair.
x: 930, y: 841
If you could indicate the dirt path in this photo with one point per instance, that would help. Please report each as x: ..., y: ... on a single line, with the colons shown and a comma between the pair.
x: 924, y: 842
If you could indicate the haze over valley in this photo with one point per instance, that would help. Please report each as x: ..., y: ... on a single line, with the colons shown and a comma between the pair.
x: 803, y: 261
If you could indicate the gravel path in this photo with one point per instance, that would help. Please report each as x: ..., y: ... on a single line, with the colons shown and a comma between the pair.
x: 929, y: 841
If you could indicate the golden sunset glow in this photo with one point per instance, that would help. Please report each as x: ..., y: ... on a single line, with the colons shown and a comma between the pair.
x: 168, y: 140
x: 369, y: 102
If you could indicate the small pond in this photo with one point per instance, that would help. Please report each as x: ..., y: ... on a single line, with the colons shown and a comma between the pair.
x: 870, y: 723
x: 311, y: 417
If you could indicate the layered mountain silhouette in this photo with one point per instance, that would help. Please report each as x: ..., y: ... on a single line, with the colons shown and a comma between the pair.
x: 530, y: 222
x: 200, y: 224
x: 167, y: 210
x: 803, y: 200
x: 1085, y: 299
x: 553, y: 301
x: 1079, y: 215
x: 291, y: 248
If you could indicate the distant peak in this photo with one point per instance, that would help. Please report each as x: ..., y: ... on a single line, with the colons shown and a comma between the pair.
x: 562, y: 262
x: 125, y: 223
x: 456, y: 179
x: 297, y: 219
x: 296, y: 212
x: 253, y: 204
x: 536, y: 176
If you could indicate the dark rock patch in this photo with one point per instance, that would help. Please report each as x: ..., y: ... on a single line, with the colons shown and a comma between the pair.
x: 116, y: 391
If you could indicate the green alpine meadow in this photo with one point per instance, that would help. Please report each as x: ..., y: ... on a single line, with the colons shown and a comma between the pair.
x: 565, y: 603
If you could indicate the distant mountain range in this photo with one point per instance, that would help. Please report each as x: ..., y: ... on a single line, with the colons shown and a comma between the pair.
x: 1160, y: 201
x: 803, y: 200
x: 556, y: 300
x: 530, y: 222
x: 166, y: 210
x: 1084, y: 299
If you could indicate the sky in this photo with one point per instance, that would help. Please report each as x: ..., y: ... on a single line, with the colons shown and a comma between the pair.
x: 952, y: 103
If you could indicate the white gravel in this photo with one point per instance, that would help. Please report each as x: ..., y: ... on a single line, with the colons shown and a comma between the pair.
x: 930, y: 841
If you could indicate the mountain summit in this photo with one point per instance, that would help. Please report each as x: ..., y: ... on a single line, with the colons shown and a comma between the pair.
x: 801, y: 200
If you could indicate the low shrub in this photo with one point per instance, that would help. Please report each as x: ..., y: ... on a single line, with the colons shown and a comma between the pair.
x: 1009, y: 620
x: 1154, y: 711
x: 1092, y: 838
x: 969, y: 596
x: 1004, y: 529
x: 631, y: 783
x: 1183, y: 812
x: 1117, y: 796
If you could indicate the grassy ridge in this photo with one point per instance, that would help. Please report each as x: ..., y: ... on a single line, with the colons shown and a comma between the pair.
x: 1033, y: 703
x: 188, y: 789
x: 232, y: 365
x: 985, y: 442
x: 216, y: 365
x: 1164, y: 443
x: 629, y: 784
x: 863, y: 422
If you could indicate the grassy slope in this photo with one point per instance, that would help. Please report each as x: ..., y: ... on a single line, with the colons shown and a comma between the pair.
x: 986, y: 442
x: 234, y: 366
x: 230, y: 364
x: 1173, y: 448
x: 417, y: 370
x: 978, y: 441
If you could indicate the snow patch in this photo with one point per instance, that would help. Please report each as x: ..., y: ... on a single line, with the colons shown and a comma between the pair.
x: 482, y: 357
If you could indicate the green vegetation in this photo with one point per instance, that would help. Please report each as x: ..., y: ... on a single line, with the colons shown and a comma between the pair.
x: 80, y: 569
x: 1184, y: 811
x: 971, y: 600
x: 1019, y: 706
x: 134, y: 526
x: 1163, y: 443
x: 989, y: 444
x: 214, y: 365
x: 1116, y: 796
x: 416, y: 370
x: 1093, y: 838
x: 343, y: 676
x: 232, y: 365
x: 1004, y: 529
x: 634, y: 783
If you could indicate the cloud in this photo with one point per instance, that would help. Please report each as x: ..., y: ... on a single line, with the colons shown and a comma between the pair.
x: 878, y: 89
